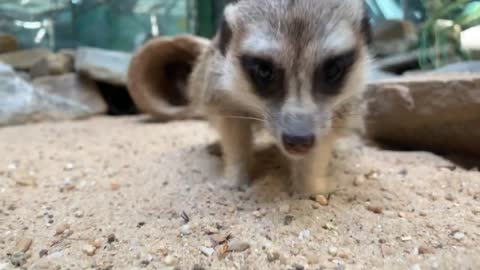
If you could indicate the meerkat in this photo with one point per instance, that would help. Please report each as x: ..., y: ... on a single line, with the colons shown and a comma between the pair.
x: 290, y: 66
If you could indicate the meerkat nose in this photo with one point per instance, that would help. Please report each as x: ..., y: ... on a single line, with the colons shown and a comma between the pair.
x: 298, y: 143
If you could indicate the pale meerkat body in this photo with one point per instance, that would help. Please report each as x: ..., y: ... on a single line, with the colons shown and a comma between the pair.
x: 290, y: 65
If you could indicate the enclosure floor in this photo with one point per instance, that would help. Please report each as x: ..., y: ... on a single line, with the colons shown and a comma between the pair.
x: 134, y: 179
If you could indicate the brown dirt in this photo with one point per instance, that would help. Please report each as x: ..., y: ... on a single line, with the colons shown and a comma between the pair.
x: 140, y: 181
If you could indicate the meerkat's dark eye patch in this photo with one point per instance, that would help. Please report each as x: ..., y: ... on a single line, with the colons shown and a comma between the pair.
x: 329, y: 75
x: 265, y: 75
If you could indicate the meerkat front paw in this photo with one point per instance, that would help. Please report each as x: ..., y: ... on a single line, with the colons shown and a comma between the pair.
x: 312, y: 187
x: 238, y: 178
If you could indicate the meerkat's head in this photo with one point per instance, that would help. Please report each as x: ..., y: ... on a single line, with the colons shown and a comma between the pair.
x: 292, y: 63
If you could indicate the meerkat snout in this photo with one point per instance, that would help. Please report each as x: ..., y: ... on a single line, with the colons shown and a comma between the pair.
x: 291, y: 66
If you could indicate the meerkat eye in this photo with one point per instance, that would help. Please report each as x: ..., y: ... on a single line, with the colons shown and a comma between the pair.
x: 261, y: 70
x: 334, y: 69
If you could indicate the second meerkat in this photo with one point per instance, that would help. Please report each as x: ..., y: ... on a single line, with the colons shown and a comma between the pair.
x: 291, y: 66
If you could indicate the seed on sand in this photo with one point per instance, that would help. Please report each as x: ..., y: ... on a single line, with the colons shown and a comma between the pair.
x: 238, y: 246
x: 89, y: 249
x: 359, y: 180
x: 375, y: 209
x: 62, y: 228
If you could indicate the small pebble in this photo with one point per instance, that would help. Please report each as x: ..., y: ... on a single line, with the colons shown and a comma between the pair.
x: 23, y: 245
x: 415, y: 267
x: 359, y: 180
x: 288, y: 220
x: 406, y: 238
x: 198, y: 267
x: 18, y: 259
x: 333, y: 251
x: 170, y: 260
x: 97, y: 243
x: 459, y: 236
x: 185, y: 229
x: 273, y: 255
x: 220, y: 238
x: 329, y: 226
x: 115, y: 185
x: 450, y: 197
x: 372, y: 175
x: 79, y: 214
x: 89, y: 249
x: 425, y: 250
x: 207, y: 251
x: 285, y: 209
x: 375, y: 209
x: 238, y: 246
x: 111, y: 238
x: 322, y: 200
x: 43, y: 253
x: 69, y: 167
x: 423, y: 214
x: 304, y: 235
x: 62, y: 228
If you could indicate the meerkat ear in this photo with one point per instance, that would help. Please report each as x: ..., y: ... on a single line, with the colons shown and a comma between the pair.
x: 224, y: 36
x: 225, y: 33
x: 366, y: 26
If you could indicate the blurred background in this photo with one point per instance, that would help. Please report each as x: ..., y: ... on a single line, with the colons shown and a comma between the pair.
x: 54, y: 37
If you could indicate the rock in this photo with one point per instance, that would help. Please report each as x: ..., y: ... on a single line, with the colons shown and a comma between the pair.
x: 103, y: 65
x: 8, y: 43
x: 18, y: 259
x: 208, y: 251
x: 393, y: 37
x: 170, y: 260
x: 377, y: 209
x: 273, y: 255
x: 111, y: 238
x: 62, y: 228
x: 440, y: 113
x: 322, y: 200
x: 304, y: 235
x: 333, y: 251
x: 78, y: 214
x: 425, y: 250
x: 89, y: 249
x: 23, y: 245
x: 48, y: 99
x: 466, y: 66
x: 25, y: 59
x: 53, y: 64
x: 284, y: 208
x: 115, y: 185
x: 459, y: 236
x: 238, y: 246
x: 359, y: 180
x: 288, y: 220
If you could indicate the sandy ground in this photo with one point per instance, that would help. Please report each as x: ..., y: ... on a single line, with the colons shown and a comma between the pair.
x: 125, y: 194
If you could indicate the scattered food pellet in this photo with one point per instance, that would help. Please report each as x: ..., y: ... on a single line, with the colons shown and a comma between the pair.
x: 89, y: 249
x: 207, y: 251
x: 97, y: 243
x: 423, y: 214
x: 359, y: 180
x: 322, y: 200
x: 459, y: 236
x: 375, y: 209
x: 238, y: 246
x: 23, y: 245
x: 141, y: 224
x: 333, y: 251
